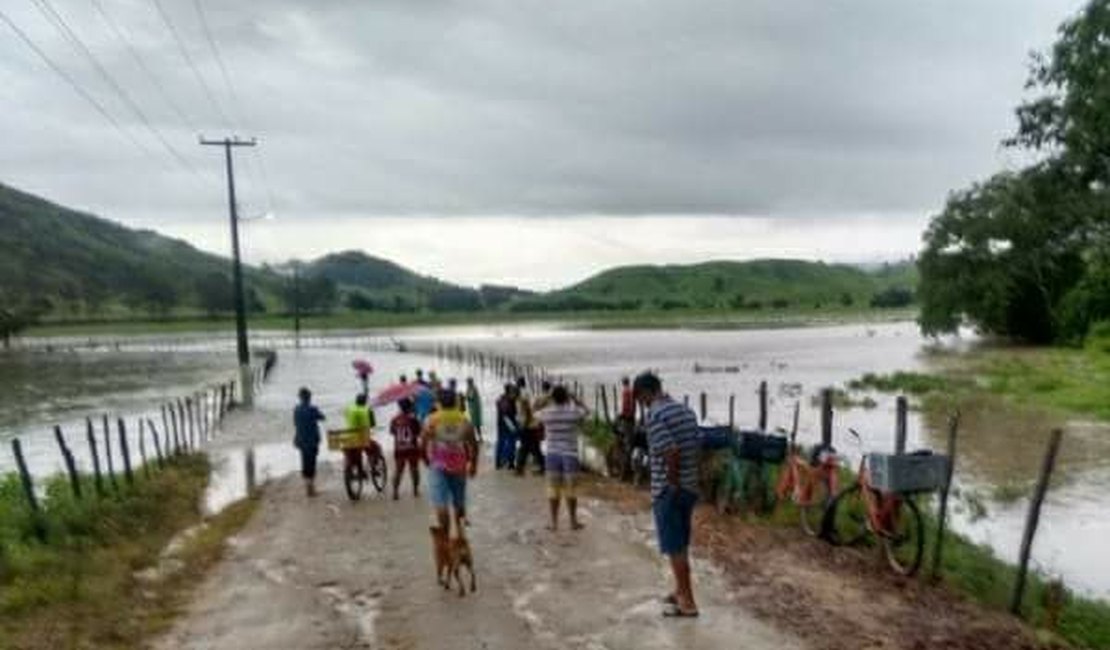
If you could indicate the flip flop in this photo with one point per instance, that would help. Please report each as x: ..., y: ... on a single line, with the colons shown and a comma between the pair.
x: 674, y: 612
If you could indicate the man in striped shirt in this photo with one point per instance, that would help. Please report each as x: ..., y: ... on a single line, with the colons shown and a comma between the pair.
x: 674, y: 449
x: 562, y: 422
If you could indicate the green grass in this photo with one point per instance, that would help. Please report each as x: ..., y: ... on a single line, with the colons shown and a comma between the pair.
x: 635, y: 319
x: 80, y: 586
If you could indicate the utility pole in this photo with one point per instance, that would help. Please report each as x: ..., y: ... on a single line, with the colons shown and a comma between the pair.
x: 297, y: 305
x: 245, y: 381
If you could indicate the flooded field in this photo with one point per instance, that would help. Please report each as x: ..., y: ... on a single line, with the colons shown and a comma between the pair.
x: 999, y: 447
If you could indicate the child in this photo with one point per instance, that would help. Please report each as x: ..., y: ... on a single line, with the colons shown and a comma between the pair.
x: 405, y: 429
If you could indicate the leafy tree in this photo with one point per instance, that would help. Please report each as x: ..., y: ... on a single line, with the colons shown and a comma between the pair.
x: 153, y: 294
x: 892, y: 297
x: 17, y: 313
x: 454, y: 299
x: 214, y: 293
x: 846, y: 299
x: 360, y: 301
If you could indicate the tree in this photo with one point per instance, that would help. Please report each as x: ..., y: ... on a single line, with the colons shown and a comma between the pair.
x: 214, y: 293
x: 454, y: 299
x: 360, y: 301
x: 892, y: 297
x: 154, y: 294
x: 17, y: 313
x: 317, y: 293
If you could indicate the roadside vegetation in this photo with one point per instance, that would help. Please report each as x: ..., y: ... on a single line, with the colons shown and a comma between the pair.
x: 100, y: 575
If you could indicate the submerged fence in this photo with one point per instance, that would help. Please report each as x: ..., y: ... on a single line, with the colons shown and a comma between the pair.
x: 178, y: 426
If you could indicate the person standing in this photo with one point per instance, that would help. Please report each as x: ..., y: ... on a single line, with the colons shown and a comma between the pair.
x: 562, y: 420
x: 673, y: 447
x: 451, y: 451
x: 306, y: 421
x: 628, y: 402
x: 505, y: 452
x: 528, y: 429
x: 424, y: 403
x: 405, y: 429
x: 474, y: 407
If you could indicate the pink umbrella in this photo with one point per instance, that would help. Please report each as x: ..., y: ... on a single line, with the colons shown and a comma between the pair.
x: 398, y: 392
x: 362, y: 366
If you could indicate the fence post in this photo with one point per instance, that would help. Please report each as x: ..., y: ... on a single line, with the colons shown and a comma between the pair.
x: 826, y: 417
x: 763, y: 405
x: 28, y: 488
x: 190, y: 420
x: 1034, y: 518
x: 605, y: 404
x: 703, y: 407
x: 249, y: 470
x: 157, y: 443
x: 173, y: 421
x: 901, y: 409
x: 166, y: 428
x: 91, y: 435
x: 732, y: 411
x: 108, y: 454
x: 125, y: 452
x: 184, y: 427
x: 142, y: 448
x: 942, y: 517
x: 67, y: 458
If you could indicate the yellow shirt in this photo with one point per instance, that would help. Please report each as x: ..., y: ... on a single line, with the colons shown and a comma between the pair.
x: 361, y: 417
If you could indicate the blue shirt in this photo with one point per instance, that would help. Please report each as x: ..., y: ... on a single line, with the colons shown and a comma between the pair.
x: 672, y: 426
x: 306, y: 418
x: 423, y: 404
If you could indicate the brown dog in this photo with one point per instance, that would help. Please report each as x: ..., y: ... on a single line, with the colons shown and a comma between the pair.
x: 451, y: 555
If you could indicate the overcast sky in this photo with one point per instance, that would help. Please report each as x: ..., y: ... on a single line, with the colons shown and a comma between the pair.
x: 523, y: 141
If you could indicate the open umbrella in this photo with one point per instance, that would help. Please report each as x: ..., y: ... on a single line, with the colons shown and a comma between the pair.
x: 398, y: 392
x: 362, y: 366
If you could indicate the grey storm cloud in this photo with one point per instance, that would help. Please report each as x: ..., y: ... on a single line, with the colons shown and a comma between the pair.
x: 519, y: 107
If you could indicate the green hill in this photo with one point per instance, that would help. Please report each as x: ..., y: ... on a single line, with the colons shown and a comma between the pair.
x: 752, y: 284
x: 78, y: 265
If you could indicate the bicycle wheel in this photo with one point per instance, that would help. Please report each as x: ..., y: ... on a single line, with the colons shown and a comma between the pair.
x: 845, y: 520
x: 812, y: 497
x: 904, y: 543
x: 614, y: 461
x: 641, y: 468
x: 353, y: 481
x: 379, y: 472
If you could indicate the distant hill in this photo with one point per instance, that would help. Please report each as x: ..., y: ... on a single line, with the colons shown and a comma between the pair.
x: 61, y: 264
x: 755, y: 284
x: 77, y: 264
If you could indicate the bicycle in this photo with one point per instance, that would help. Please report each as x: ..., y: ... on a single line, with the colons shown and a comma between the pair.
x: 862, y: 509
x: 353, y: 444
x: 809, y: 482
x: 747, y: 474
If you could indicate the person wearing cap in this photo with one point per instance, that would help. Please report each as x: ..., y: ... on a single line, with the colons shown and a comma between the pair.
x: 673, y: 447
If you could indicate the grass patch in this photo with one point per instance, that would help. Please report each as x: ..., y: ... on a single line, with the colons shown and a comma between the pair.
x: 599, y: 435
x: 86, y: 584
x: 911, y: 383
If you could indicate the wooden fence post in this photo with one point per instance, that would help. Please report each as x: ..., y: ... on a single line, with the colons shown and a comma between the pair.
x: 157, y: 444
x: 91, y: 435
x: 1034, y: 518
x: 125, y: 452
x: 703, y: 406
x: 173, y: 421
x: 142, y: 448
x: 901, y: 410
x: 826, y: 417
x: 189, y: 417
x: 67, y: 458
x: 605, y: 404
x: 249, y: 470
x: 763, y: 405
x: 942, y: 517
x: 28, y: 488
x: 732, y: 411
x: 108, y: 454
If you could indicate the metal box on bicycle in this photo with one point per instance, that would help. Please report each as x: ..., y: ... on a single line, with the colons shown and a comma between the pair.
x: 752, y: 444
x: 907, y: 473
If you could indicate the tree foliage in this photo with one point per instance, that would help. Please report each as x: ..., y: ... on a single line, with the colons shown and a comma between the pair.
x: 1025, y: 254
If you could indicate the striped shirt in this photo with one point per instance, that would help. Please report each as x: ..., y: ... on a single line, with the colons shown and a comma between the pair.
x: 673, y: 426
x: 562, y: 424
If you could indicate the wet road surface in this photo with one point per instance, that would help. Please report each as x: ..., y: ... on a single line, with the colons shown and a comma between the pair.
x: 329, y: 573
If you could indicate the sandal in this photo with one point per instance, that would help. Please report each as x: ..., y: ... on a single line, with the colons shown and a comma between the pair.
x: 673, y: 611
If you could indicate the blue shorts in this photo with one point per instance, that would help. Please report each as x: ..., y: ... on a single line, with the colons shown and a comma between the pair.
x: 447, y: 490
x: 674, y: 510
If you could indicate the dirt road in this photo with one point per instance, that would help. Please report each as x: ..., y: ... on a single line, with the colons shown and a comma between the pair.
x: 326, y: 573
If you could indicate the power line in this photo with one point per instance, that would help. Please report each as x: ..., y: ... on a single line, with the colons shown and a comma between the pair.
x: 151, y: 77
x: 258, y: 159
x: 58, y: 70
x: 59, y: 22
x: 189, y: 60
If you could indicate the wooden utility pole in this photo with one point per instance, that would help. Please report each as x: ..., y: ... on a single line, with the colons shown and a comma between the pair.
x: 237, y: 268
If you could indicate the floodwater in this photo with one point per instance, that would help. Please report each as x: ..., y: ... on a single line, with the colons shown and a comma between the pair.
x: 996, y: 446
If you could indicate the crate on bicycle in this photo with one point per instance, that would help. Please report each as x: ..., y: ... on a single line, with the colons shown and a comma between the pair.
x: 343, y: 439
x: 908, y: 473
x: 753, y: 444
